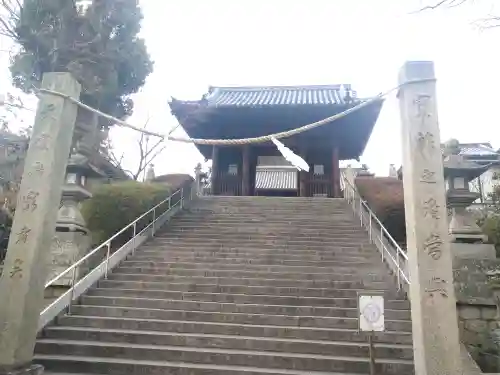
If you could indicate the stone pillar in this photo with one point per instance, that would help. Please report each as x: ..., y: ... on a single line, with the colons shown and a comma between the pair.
x: 433, y: 304
x: 245, y: 177
x: 335, y: 173
x: 215, y: 170
x: 23, y: 279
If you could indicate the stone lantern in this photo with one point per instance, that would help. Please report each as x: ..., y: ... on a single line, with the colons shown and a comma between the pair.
x: 464, y: 232
x: 72, y: 240
x: 150, y: 173
x: 198, y: 178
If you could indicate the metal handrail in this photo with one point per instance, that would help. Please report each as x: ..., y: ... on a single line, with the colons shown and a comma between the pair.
x: 77, y: 288
x: 397, y: 257
x: 108, y: 241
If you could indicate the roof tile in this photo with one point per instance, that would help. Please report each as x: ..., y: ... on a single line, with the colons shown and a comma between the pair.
x: 250, y: 96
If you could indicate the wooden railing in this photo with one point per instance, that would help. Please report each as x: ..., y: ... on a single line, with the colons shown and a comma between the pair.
x: 227, y: 184
x: 319, y: 185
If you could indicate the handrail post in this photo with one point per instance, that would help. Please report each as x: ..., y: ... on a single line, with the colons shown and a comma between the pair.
x: 133, y: 238
x: 182, y: 198
x: 108, y: 245
x: 154, y: 221
x: 370, y: 227
x: 399, y: 269
x: 72, y: 290
x: 360, y: 211
x: 382, y: 240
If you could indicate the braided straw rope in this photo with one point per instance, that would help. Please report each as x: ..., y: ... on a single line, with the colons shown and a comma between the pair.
x: 261, y: 139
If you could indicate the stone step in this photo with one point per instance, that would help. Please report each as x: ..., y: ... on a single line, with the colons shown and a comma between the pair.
x: 260, y: 229
x: 336, y: 248
x: 268, y: 206
x: 196, y: 221
x: 330, y: 274
x: 228, y: 263
x: 381, y: 282
x: 278, y: 254
x: 201, y: 340
x: 290, y: 305
x: 110, y: 366
x: 262, y: 209
x: 256, y: 213
x: 220, y: 199
x: 212, y: 356
x: 270, y: 239
x: 227, y: 328
x: 306, y: 202
x: 257, y: 251
x: 256, y: 237
x: 198, y: 286
x: 261, y: 242
x: 219, y: 317
x: 251, y: 258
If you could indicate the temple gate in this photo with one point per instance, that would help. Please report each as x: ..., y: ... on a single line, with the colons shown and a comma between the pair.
x: 244, y: 112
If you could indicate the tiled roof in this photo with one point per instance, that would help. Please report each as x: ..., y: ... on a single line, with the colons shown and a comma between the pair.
x: 477, y: 149
x: 269, y: 178
x: 250, y: 96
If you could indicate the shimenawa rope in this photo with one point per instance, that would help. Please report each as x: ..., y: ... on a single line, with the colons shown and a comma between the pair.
x: 261, y: 139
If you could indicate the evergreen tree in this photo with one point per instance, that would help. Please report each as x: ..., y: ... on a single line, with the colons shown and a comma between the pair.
x: 98, y: 43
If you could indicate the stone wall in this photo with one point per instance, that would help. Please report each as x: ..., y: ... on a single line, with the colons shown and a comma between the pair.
x: 477, y: 324
x: 478, y: 310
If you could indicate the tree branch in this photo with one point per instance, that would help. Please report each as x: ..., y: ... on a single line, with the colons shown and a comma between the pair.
x: 448, y: 3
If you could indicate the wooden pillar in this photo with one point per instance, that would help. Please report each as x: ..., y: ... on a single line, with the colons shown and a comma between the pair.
x: 433, y: 305
x: 335, y: 173
x: 245, y: 177
x: 215, y: 170
x: 303, y: 175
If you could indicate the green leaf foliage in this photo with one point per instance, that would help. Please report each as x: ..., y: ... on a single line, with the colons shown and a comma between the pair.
x: 114, y: 206
x: 491, y: 227
x: 99, y: 45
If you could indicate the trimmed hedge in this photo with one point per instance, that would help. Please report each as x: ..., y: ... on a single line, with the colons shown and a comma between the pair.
x: 114, y: 206
x: 491, y: 227
x: 385, y: 196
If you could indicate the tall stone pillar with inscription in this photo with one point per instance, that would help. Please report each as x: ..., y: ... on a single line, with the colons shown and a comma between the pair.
x: 23, y: 279
x: 433, y: 305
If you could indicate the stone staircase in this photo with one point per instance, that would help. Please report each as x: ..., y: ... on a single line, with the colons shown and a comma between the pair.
x: 238, y: 285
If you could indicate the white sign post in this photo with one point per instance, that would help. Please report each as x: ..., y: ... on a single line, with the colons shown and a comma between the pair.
x: 371, y: 319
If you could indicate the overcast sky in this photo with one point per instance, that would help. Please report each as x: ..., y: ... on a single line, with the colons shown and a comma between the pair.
x: 197, y: 43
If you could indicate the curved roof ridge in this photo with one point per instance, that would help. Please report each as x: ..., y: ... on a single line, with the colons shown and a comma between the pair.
x: 335, y: 86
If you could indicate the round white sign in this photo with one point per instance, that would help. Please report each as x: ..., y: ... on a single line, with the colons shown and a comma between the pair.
x: 371, y: 312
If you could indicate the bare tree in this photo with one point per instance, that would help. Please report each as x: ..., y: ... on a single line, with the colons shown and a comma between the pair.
x: 443, y: 3
x: 487, y: 22
x: 148, y: 151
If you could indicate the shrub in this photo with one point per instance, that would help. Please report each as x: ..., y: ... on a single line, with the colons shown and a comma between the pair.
x: 491, y: 227
x: 385, y: 197
x: 114, y: 206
